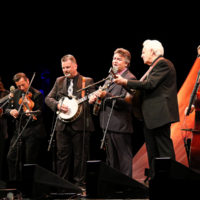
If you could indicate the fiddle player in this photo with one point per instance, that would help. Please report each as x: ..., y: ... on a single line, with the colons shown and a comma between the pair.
x: 118, y: 140
x: 25, y: 149
x: 72, y: 136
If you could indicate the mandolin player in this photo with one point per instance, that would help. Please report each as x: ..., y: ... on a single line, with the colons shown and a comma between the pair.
x: 119, y: 130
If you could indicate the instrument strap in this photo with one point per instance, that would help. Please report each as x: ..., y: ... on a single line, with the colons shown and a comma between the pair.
x: 83, y: 86
x: 150, y: 68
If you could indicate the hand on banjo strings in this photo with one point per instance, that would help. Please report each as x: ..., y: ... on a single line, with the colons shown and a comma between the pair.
x: 63, y: 108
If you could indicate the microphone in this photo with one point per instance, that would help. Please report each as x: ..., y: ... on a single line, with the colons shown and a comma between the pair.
x: 11, y: 95
x: 7, y: 98
x: 12, y: 88
x: 115, y: 69
x: 67, y: 75
x: 114, y: 97
x: 112, y: 71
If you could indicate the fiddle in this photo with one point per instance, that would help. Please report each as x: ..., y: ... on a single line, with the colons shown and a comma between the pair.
x: 27, y: 103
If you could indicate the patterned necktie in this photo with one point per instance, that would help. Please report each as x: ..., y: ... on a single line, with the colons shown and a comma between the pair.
x: 70, y: 88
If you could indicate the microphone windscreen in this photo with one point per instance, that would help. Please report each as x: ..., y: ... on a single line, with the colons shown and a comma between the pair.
x: 12, y: 88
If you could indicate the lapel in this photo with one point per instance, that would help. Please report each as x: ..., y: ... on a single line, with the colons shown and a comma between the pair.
x: 155, y: 66
x: 79, y: 82
x: 65, y: 86
x: 79, y: 85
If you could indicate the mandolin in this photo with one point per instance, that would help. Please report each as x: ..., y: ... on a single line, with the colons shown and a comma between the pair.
x: 98, y: 101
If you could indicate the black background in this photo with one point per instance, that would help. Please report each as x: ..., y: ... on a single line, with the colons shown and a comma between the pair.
x: 34, y: 38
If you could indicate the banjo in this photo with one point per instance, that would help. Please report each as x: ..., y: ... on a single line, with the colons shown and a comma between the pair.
x: 75, y: 108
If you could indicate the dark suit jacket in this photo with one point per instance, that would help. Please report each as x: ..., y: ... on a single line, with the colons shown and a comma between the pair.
x: 59, y: 90
x: 159, y: 95
x: 121, y: 118
x: 34, y: 128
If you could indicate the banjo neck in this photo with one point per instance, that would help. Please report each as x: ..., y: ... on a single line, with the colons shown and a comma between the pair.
x: 81, y: 100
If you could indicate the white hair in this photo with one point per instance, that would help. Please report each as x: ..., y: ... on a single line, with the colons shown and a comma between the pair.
x: 155, y: 45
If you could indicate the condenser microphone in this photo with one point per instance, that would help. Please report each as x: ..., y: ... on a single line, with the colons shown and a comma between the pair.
x: 12, y: 88
x: 67, y: 75
x: 115, y: 69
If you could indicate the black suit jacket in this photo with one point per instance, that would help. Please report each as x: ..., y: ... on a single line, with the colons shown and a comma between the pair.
x: 59, y: 90
x: 36, y: 127
x: 159, y: 95
x: 121, y: 118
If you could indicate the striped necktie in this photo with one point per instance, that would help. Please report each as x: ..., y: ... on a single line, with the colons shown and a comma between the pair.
x: 70, y: 88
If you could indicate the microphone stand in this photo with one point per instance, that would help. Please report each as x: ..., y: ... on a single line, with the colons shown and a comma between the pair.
x: 4, y: 103
x: 18, y: 141
x: 85, y: 124
x: 94, y: 84
x: 52, y: 142
x: 105, y: 131
x: 1, y: 107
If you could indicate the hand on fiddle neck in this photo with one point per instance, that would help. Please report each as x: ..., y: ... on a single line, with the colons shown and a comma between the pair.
x: 14, y: 113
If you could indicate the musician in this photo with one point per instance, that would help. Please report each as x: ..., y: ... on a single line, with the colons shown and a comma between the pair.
x: 118, y: 137
x: 198, y: 90
x: 159, y: 101
x: 3, y: 131
x: 72, y: 137
x: 25, y: 149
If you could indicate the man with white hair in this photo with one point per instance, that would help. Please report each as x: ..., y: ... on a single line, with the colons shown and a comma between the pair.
x: 158, y: 101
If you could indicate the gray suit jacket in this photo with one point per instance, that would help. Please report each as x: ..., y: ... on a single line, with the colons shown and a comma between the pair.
x: 121, y: 118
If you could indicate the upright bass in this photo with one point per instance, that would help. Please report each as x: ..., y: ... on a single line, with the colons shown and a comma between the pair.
x: 194, y: 159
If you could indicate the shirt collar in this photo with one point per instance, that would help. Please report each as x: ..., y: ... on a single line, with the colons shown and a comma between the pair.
x: 120, y: 73
x: 155, y: 60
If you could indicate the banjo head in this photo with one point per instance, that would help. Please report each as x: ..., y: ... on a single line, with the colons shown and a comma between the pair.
x: 73, y: 112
